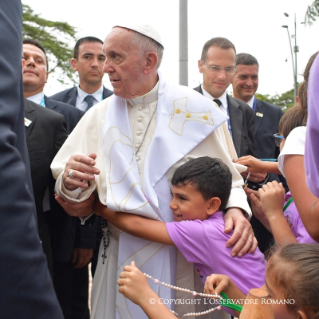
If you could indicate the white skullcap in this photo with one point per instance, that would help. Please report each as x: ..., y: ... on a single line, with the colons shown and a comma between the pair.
x: 144, y: 29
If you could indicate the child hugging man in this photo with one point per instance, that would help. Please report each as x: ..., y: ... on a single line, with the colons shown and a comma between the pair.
x: 200, y: 190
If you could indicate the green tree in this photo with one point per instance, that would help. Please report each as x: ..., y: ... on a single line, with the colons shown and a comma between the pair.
x: 285, y: 100
x: 55, y: 37
x: 312, y: 12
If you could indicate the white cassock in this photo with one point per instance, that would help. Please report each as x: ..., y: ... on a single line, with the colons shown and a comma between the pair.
x: 189, y: 133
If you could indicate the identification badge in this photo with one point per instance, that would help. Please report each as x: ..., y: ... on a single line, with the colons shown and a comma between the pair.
x: 27, y: 122
x: 259, y: 114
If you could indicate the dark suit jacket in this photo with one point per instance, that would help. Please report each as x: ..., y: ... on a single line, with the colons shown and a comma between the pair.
x: 265, y: 128
x: 45, y: 135
x: 71, y: 114
x: 242, y: 124
x: 26, y: 288
x: 69, y: 95
x: 67, y: 231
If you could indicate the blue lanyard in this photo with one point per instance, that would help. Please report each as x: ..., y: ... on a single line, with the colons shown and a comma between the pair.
x: 42, y: 103
x: 229, y: 125
x: 254, y: 105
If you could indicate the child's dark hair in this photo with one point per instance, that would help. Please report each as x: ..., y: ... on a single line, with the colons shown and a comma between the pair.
x: 210, y: 176
x: 294, y: 117
x: 294, y: 269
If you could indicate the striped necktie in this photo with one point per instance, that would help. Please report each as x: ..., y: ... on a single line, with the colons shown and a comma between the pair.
x: 89, y: 99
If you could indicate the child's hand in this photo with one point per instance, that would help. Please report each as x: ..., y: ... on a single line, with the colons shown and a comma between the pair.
x: 255, y: 203
x: 215, y: 284
x: 272, y: 197
x: 133, y: 284
x: 254, y: 165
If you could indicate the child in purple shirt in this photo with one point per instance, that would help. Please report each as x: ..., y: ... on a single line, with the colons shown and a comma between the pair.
x: 200, y: 189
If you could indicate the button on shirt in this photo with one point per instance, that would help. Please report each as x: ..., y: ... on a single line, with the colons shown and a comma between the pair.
x: 140, y: 111
x: 81, y: 104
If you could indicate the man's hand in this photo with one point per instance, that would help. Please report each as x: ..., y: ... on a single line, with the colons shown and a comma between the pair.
x: 255, y: 177
x: 243, y: 237
x: 82, y: 209
x: 81, y: 257
x: 82, y: 171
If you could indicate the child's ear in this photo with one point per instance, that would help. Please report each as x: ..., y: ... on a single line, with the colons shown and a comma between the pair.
x: 213, y: 205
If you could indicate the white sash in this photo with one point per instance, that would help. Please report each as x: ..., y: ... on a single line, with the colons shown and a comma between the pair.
x: 184, y: 118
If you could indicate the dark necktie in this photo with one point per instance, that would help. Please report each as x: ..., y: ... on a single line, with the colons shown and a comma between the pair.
x: 218, y: 102
x: 89, y: 100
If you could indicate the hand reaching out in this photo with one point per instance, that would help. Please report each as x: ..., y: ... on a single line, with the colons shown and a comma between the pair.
x: 272, y: 197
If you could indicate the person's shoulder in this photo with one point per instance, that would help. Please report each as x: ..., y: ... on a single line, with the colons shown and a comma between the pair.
x: 60, y: 95
x: 243, y: 105
x: 106, y: 92
x: 64, y: 107
x: 41, y: 111
x: 271, y: 107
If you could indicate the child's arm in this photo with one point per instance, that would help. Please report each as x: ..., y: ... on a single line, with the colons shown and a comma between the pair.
x: 215, y: 284
x: 306, y: 203
x: 134, y: 286
x: 272, y: 196
x: 135, y: 225
x: 256, y: 166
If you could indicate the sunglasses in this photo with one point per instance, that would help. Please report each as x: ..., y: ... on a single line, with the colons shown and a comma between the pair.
x: 278, y: 139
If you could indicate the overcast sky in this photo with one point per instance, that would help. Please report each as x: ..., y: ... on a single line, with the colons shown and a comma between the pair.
x: 254, y: 26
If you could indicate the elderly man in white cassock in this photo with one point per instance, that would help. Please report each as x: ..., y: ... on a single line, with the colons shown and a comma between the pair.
x: 126, y: 149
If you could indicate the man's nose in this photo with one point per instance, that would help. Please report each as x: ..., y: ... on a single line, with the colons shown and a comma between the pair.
x: 107, y: 68
x: 30, y: 61
x: 222, y: 74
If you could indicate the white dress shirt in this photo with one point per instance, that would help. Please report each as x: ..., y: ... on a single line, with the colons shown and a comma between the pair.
x: 81, y: 104
x: 37, y: 98
x: 222, y: 99
x: 251, y: 101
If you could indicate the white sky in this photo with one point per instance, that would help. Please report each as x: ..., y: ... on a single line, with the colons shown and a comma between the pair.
x: 254, y: 26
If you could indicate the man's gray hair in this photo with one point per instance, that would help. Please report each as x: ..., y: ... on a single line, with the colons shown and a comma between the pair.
x: 147, y: 44
x: 246, y: 59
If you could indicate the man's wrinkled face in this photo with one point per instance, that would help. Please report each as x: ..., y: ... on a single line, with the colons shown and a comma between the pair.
x: 34, y: 73
x: 245, y: 82
x: 89, y: 63
x: 216, y: 82
x: 124, y: 64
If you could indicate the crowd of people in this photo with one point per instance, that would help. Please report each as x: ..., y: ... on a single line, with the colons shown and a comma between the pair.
x: 201, y: 192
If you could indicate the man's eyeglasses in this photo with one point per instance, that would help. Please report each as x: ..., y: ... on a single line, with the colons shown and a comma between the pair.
x: 217, y: 69
x: 278, y: 139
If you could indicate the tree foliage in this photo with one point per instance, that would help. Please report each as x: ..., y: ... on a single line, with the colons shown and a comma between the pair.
x: 312, y: 12
x: 55, y: 38
x: 285, y: 100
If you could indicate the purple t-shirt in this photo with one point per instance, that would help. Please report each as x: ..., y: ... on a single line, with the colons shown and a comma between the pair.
x: 295, y: 223
x: 203, y: 243
x: 312, y: 138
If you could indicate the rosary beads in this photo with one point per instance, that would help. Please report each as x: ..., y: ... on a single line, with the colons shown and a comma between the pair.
x: 194, y: 293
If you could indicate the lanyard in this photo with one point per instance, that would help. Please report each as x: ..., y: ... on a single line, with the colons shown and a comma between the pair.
x: 288, y: 203
x: 254, y: 105
x: 229, y: 124
x: 42, y: 103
